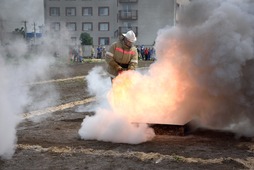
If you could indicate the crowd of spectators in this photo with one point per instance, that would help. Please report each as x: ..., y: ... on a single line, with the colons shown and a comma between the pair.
x: 77, y: 55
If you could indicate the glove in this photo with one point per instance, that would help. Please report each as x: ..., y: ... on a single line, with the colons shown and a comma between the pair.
x: 120, y: 71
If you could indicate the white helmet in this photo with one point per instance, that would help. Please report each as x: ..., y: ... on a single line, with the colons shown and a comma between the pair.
x: 130, y: 35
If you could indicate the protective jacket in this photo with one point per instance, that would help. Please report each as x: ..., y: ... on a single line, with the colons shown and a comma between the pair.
x: 121, y: 57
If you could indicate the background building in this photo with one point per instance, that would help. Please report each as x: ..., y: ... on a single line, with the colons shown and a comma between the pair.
x: 104, y: 20
x: 179, y: 5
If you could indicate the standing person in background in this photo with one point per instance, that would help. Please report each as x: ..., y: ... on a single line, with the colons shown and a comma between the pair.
x: 71, y: 56
x: 122, y: 55
x: 149, y: 54
x: 138, y: 50
x: 104, y: 52
x: 99, y: 52
x: 75, y: 54
x: 142, y: 52
x: 146, y: 53
x: 80, y: 54
x: 152, y: 53
x: 92, y: 51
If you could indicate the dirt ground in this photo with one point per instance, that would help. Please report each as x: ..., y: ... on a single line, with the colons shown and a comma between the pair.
x: 53, y: 142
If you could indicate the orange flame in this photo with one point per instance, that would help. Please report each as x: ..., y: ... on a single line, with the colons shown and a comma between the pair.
x: 155, y: 97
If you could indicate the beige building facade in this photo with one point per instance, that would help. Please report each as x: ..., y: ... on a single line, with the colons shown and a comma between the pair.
x: 105, y: 20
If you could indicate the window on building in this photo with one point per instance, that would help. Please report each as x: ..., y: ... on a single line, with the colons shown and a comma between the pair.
x: 70, y: 11
x: 127, y: 10
x: 55, y: 26
x: 103, y: 26
x: 87, y: 26
x: 103, y: 11
x: 87, y: 11
x: 71, y: 26
x: 126, y: 26
x: 103, y: 40
x: 54, y: 11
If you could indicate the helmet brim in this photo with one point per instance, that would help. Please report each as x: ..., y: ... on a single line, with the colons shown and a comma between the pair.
x: 134, y: 40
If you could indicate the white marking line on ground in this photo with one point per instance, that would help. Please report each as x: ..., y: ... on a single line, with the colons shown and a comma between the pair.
x: 72, y: 78
x: 57, y: 80
x: 57, y: 108
x: 63, y: 106
x: 142, y: 156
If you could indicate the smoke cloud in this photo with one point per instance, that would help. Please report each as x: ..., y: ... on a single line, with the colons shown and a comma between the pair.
x: 18, y: 69
x: 203, y: 72
x: 26, y: 10
x: 22, y: 64
x: 212, y: 50
x: 107, y: 125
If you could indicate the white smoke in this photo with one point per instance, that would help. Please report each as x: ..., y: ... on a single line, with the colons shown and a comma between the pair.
x: 203, y: 73
x: 18, y: 68
x: 215, y: 42
x: 106, y: 125
x: 22, y: 65
x: 30, y: 11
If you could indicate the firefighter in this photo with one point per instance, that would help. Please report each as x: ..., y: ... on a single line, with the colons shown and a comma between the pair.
x: 122, y: 55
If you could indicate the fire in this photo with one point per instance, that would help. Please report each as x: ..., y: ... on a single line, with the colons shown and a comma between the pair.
x: 155, y: 97
x: 202, y: 73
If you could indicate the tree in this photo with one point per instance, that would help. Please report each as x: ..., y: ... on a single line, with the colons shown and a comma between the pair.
x: 86, y: 39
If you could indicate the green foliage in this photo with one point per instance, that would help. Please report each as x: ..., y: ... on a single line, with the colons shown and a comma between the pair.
x: 86, y: 39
